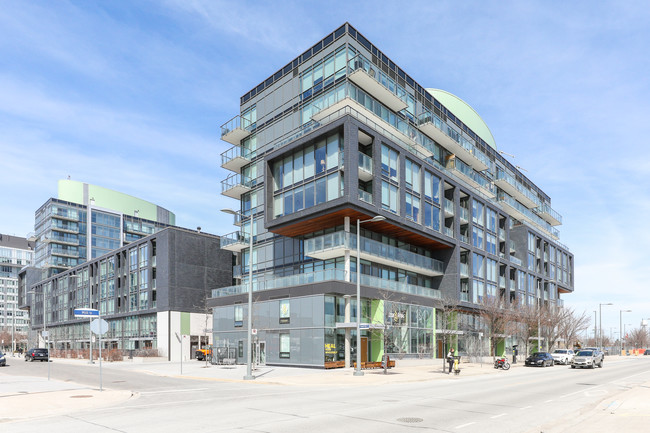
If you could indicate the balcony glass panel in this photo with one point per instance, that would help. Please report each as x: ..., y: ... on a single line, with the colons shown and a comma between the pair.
x: 237, y: 122
x: 449, y: 206
x: 365, y: 196
x: 235, y: 238
x: 359, y: 62
x: 519, y: 188
x: 365, y: 162
x: 528, y: 214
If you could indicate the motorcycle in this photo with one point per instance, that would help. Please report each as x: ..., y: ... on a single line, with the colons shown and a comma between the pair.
x: 502, y: 363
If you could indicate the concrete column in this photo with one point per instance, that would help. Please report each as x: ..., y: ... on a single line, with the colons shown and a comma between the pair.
x: 347, y: 331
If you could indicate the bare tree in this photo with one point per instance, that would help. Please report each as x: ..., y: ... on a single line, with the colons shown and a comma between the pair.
x: 496, y: 314
x: 394, y: 321
x: 524, y: 323
x: 638, y: 337
x: 447, y: 322
x: 571, y: 325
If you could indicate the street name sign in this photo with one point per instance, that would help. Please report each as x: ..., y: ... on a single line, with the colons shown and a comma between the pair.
x: 86, y: 312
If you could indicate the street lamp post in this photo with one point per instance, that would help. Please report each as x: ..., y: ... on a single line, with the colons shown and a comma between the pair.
x: 595, y: 329
x: 249, y: 355
x: 47, y: 335
x: 600, y: 319
x: 357, y: 371
x: 620, y: 329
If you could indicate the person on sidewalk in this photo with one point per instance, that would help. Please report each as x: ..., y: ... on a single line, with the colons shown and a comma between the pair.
x: 450, y: 359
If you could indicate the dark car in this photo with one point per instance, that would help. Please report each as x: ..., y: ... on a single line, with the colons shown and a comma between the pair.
x: 647, y: 352
x: 541, y: 359
x: 36, y: 354
x: 3, y: 359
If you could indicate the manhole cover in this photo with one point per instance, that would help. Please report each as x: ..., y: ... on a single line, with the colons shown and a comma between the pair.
x: 80, y: 396
x: 409, y: 419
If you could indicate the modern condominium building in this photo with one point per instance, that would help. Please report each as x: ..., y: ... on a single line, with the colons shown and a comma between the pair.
x: 152, y: 292
x: 86, y: 221
x: 15, y: 253
x: 342, y: 134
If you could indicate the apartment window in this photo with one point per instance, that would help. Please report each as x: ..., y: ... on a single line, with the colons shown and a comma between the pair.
x: 531, y: 262
x: 239, y: 316
x: 389, y: 163
x: 389, y: 197
x: 531, y: 242
x: 431, y: 216
x: 431, y: 187
x: 491, y: 220
x: 412, y: 207
x: 285, y: 311
x: 478, y: 213
x: 477, y: 237
x: 491, y: 243
x: 491, y: 269
x: 478, y: 265
x: 240, y: 347
x: 412, y: 176
x: 285, y: 346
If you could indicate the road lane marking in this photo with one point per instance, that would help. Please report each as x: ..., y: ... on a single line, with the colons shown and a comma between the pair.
x: 548, y: 401
x: 498, y: 416
x: 465, y: 425
x: 527, y: 407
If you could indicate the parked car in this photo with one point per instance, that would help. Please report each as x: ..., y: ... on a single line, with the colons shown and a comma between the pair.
x: 36, y: 354
x: 541, y: 359
x: 3, y: 359
x: 587, y: 359
x: 563, y: 356
x: 647, y: 352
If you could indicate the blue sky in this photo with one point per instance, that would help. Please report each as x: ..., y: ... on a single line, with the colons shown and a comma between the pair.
x: 130, y: 96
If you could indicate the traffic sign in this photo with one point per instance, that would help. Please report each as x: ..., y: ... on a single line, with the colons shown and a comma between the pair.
x: 86, y: 312
x: 364, y: 325
x: 99, y: 326
x: 254, y: 331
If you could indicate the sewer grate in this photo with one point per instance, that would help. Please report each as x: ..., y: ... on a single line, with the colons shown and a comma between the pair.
x: 409, y: 419
x: 81, y: 396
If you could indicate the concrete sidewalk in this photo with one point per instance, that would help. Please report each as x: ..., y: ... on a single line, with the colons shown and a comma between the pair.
x: 627, y: 411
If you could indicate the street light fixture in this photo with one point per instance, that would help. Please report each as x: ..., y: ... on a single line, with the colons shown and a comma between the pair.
x: 600, y: 319
x: 249, y: 355
x: 620, y: 329
x: 357, y: 371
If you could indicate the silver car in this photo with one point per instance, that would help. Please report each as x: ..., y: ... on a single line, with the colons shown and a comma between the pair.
x: 587, y: 359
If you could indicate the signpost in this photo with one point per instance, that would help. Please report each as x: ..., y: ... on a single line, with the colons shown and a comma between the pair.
x: 97, y: 326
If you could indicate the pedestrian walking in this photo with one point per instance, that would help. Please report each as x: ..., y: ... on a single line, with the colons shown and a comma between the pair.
x: 450, y: 359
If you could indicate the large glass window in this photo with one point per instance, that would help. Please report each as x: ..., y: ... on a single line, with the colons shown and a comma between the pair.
x: 389, y: 163
x: 285, y: 346
x: 478, y: 265
x: 389, y: 197
x: 413, y: 176
x: 478, y: 213
x: 491, y: 243
x: 477, y: 237
x: 412, y: 207
x: 431, y: 187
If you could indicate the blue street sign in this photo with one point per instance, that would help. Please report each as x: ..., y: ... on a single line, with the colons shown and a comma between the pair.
x: 364, y: 325
x: 86, y: 312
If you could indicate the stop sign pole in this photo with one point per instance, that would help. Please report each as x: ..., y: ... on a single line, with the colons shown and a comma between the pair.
x: 90, y: 313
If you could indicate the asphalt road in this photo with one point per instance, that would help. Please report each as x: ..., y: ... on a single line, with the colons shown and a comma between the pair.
x: 518, y: 400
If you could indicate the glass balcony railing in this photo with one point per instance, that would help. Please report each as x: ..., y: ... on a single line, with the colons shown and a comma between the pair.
x: 365, y: 196
x: 516, y: 188
x: 449, y: 206
x: 235, y: 185
x: 465, y: 143
x: 476, y: 178
x: 548, y: 214
x: 464, y: 270
x: 502, y: 282
x: 516, y: 261
x: 235, y: 240
x: 464, y: 215
x: 365, y: 163
x: 359, y: 62
x: 522, y: 212
x: 448, y: 231
x: 464, y: 238
x: 379, y: 251
x: 502, y: 235
x: 321, y: 276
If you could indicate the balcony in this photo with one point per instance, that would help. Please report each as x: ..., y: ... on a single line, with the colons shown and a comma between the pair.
x: 548, y: 214
x: 263, y: 284
x: 464, y: 215
x: 502, y: 282
x: 235, y: 185
x: 235, y: 242
x: 63, y: 252
x: 464, y: 270
x: 449, y: 208
x: 371, y: 79
x: 472, y: 177
x: 235, y: 158
x: 63, y: 240
x: 525, y: 215
x: 365, y: 167
x: 335, y: 244
x: 235, y: 130
x: 453, y: 141
x: 516, y: 189
x: 365, y: 196
x: 464, y: 238
x: 448, y: 231
x: 516, y: 261
x: 65, y: 217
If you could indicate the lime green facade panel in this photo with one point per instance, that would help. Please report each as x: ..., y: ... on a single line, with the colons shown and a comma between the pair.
x: 185, y: 323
